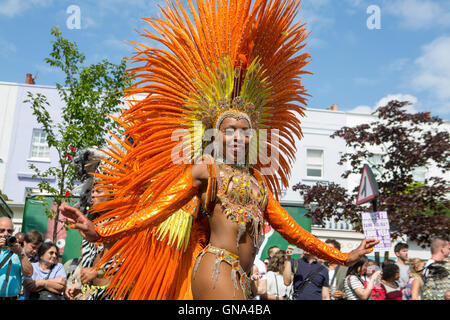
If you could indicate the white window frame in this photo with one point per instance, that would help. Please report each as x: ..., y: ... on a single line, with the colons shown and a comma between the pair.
x: 39, y: 144
x: 376, y: 160
x: 420, y: 174
x: 320, y: 167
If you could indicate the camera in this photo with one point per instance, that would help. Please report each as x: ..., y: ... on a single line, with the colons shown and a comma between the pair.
x: 10, y: 241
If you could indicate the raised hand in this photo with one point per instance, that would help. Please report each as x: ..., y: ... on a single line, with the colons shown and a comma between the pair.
x: 79, y: 222
x: 364, y: 248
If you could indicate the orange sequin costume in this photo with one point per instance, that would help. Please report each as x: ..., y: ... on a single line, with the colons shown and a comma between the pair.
x: 227, y: 58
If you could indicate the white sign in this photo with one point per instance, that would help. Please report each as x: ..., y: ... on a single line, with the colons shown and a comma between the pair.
x: 376, y: 226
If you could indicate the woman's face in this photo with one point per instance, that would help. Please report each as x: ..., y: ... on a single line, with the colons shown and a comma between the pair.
x: 97, y: 196
x: 236, y: 139
x: 50, y: 256
x: 363, y: 269
x: 397, y: 275
x: 419, y: 266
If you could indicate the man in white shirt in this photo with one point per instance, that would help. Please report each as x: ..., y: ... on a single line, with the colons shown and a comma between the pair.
x: 401, y: 251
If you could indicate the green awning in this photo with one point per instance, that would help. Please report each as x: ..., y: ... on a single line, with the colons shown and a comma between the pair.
x: 5, y: 210
x: 273, y: 238
x: 35, y: 217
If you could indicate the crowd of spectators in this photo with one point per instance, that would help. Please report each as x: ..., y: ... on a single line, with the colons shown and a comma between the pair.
x: 309, y: 278
x: 31, y: 269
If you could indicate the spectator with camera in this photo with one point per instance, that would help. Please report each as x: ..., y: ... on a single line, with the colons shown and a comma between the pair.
x: 13, y: 262
x: 31, y: 243
x: 48, y: 280
x: 309, y: 277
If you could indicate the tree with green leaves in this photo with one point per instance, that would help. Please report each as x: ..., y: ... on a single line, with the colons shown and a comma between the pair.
x: 418, y: 208
x: 89, y: 94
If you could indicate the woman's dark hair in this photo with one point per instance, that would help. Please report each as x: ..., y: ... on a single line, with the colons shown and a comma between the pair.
x: 276, y: 263
x: 354, y: 269
x: 44, y: 248
x: 389, y: 271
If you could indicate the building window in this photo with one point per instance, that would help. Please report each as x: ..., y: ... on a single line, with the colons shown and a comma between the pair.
x: 419, y: 174
x: 376, y: 165
x: 39, y: 145
x: 314, y: 163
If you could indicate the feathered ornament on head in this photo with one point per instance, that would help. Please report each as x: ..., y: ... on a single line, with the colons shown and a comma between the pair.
x: 238, y: 58
x: 88, y: 162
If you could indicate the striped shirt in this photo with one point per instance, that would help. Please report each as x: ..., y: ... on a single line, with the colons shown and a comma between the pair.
x: 351, y: 283
x: 89, y: 253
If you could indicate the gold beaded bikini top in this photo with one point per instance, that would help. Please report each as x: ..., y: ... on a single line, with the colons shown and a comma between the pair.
x: 242, y: 196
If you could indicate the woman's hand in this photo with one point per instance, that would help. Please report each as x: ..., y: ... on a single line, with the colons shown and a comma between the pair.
x: 56, y: 285
x: 80, y: 222
x: 364, y: 248
x: 72, y: 291
x: 87, y: 275
x: 375, y: 276
x: 338, y: 294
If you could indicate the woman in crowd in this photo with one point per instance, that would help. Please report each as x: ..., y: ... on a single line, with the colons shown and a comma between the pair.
x: 389, y: 284
x: 377, y: 292
x: 276, y: 289
x: 414, y: 286
x: 354, y: 283
x: 49, y: 278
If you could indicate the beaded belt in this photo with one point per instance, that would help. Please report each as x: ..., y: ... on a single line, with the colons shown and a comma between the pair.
x: 236, y: 269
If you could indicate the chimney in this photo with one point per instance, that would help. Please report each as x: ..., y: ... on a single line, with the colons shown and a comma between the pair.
x: 29, y: 79
x: 334, y: 107
x: 428, y: 114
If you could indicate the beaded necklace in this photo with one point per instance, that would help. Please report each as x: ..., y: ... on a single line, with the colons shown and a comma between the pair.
x: 243, y: 199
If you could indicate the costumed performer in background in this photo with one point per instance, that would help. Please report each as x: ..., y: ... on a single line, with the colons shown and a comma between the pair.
x: 191, y: 194
x: 88, y: 283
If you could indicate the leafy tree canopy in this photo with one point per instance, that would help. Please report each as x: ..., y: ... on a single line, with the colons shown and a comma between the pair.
x: 406, y: 143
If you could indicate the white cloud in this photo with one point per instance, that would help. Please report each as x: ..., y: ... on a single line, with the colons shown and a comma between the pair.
x: 385, y: 100
x: 317, y: 15
x: 362, y: 109
x: 433, y: 69
x: 316, y: 42
x: 409, y: 14
x: 419, y: 14
x: 431, y: 75
x: 6, y: 48
x: 398, y: 64
x: 11, y: 8
x: 399, y: 97
x: 118, y: 44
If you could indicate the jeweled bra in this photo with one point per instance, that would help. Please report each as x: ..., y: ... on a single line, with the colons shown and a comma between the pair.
x: 243, y: 199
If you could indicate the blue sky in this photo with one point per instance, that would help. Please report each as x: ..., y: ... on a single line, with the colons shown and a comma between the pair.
x: 356, y: 67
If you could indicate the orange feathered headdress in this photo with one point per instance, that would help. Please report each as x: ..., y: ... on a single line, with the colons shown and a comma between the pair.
x: 225, y: 57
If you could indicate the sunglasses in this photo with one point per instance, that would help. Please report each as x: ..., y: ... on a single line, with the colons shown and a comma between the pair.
x: 8, y: 230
